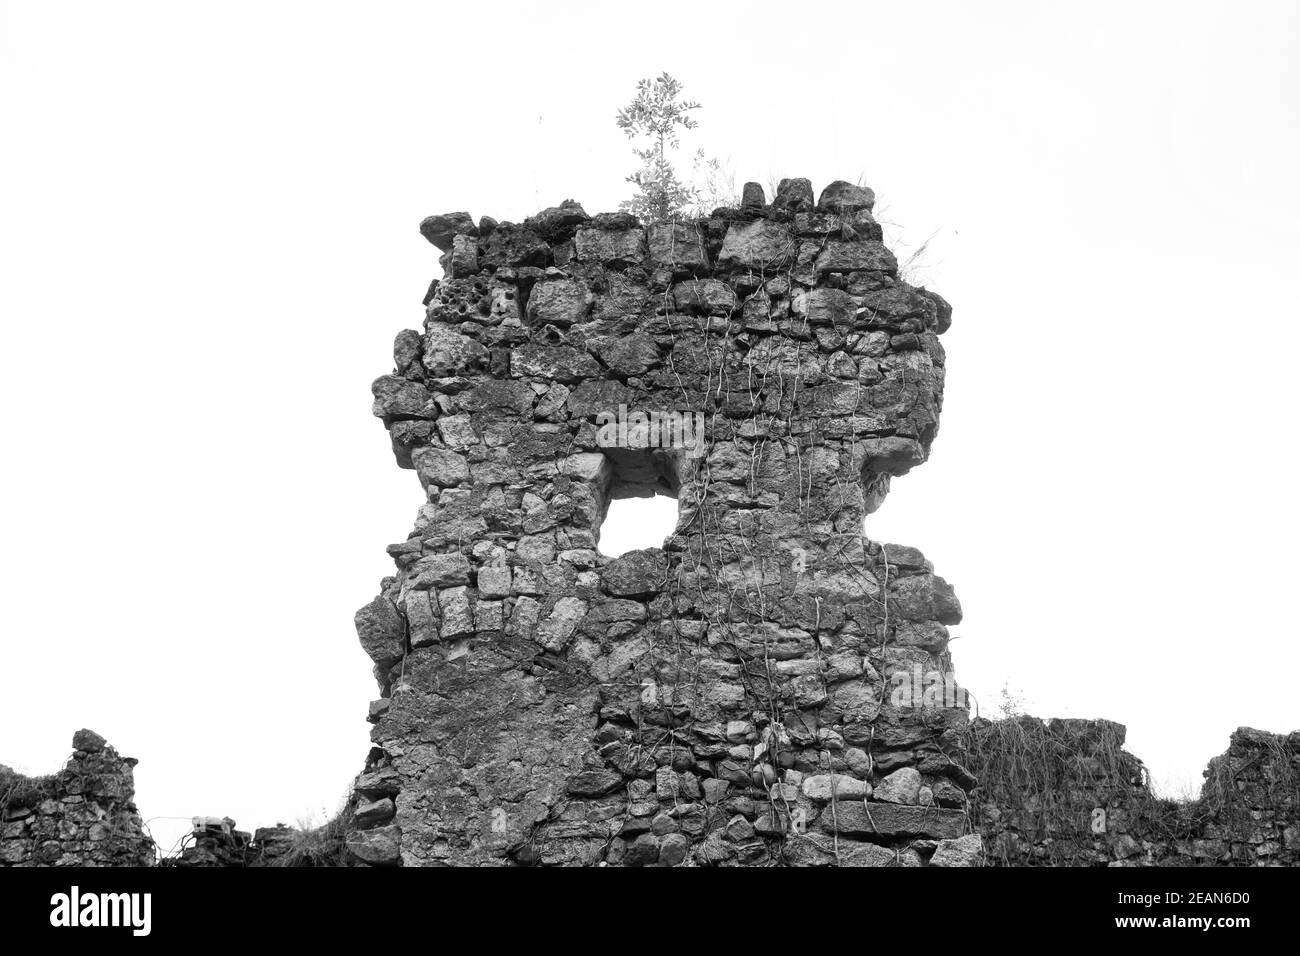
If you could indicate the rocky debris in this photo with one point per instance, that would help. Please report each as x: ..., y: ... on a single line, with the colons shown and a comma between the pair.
x: 274, y: 842
x: 215, y: 841
x: 83, y: 815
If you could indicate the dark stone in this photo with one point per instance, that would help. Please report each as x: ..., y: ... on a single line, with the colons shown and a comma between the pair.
x: 87, y: 741
x: 635, y: 574
x: 894, y: 820
x: 644, y: 851
x: 441, y: 230
x: 844, y: 197
x: 382, y: 631
x: 558, y: 223
x: 794, y: 195
x: 595, y: 783
x: 378, y: 847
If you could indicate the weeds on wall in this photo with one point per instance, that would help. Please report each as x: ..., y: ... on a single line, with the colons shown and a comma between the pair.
x: 326, y: 845
x: 1055, y: 793
x: 653, y: 121
x: 19, y: 792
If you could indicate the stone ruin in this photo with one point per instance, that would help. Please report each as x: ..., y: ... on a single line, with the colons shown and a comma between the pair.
x: 769, y: 687
x: 217, y: 842
x: 82, y: 815
x: 729, y: 698
x: 1066, y: 793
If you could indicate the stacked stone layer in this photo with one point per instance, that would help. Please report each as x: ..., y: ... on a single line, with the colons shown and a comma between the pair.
x: 727, y: 699
x: 1066, y: 793
x: 760, y: 690
x: 83, y: 815
x: 217, y: 843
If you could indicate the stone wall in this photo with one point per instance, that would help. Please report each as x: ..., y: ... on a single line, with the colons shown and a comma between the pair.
x: 81, y: 816
x: 769, y: 687
x: 1066, y: 793
x: 217, y: 842
x: 751, y: 693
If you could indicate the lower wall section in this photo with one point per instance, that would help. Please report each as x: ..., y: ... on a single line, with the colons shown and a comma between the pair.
x: 81, y: 816
x: 1050, y: 793
x: 216, y: 843
x: 1066, y: 793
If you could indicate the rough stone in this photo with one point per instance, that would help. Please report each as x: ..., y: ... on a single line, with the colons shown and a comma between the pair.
x: 795, y: 195
x: 843, y: 197
x: 752, y: 196
x: 635, y: 574
x: 965, y: 850
x: 443, y: 229
x: 892, y: 820
x: 378, y: 847
x: 823, y: 787
x: 758, y: 245
x: 901, y: 786
x: 382, y: 631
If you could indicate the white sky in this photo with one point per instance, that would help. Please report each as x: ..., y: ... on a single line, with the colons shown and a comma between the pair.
x: 208, y: 237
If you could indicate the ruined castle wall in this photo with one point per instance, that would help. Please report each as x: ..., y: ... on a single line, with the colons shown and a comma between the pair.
x: 218, y: 843
x: 729, y: 698
x: 761, y: 689
x: 81, y: 816
x: 1066, y: 793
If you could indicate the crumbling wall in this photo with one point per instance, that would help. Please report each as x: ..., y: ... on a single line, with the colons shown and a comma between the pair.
x: 83, y: 815
x: 217, y: 842
x: 1066, y: 793
x: 769, y: 686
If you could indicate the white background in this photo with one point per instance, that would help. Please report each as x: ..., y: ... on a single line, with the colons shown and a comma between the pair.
x: 208, y: 240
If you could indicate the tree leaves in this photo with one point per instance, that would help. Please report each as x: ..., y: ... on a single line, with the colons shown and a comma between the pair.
x: 654, y: 117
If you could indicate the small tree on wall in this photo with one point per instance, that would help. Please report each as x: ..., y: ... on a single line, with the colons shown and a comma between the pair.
x: 653, y: 120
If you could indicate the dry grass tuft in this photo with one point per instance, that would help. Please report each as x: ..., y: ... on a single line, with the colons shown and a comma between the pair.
x: 322, y: 846
x: 18, y: 791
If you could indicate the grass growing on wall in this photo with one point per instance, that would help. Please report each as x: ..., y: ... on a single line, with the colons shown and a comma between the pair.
x: 18, y: 792
x: 322, y: 846
x: 1041, y: 784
